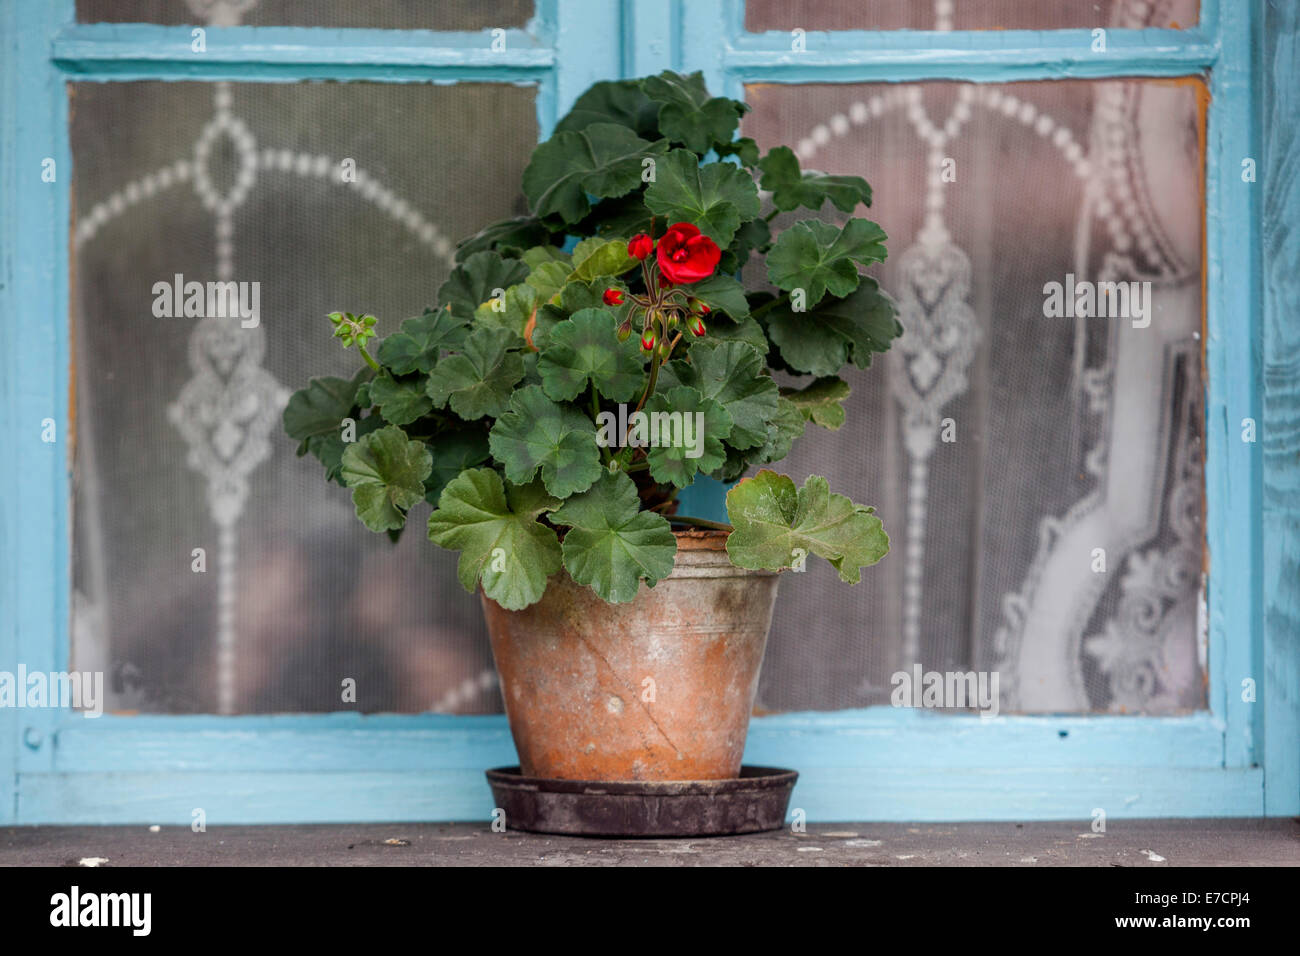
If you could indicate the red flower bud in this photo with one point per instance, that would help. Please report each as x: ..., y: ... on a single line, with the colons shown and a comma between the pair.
x: 640, y: 246
x: 686, y: 256
x: 704, y: 309
x: 648, y: 340
x: 613, y: 297
x: 698, y: 327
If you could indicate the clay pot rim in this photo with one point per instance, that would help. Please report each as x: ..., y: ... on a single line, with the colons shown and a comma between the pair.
x: 701, y: 539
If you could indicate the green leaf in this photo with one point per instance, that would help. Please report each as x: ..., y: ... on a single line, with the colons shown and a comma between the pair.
x: 736, y: 464
x: 717, y: 198
x: 820, y: 341
x: 602, y: 160
x: 511, y: 311
x: 752, y: 236
x: 328, y: 449
x: 319, y: 409
x: 500, y: 540
x: 743, y: 147
x: 815, y: 256
x: 722, y: 293
x: 475, y: 281
x: 509, y: 236
x: 586, y: 350
x: 732, y: 374
x: 547, y: 279
x: 820, y: 402
x: 531, y: 376
x: 386, y: 472
x: 453, y: 451
x: 679, y: 445
x: 777, y: 527
x: 400, y: 401
x: 614, y: 101
x: 786, y: 425
x: 612, y: 545
x: 621, y: 217
x: 596, y: 258
x: 536, y: 433
x: 748, y: 331
x: 419, y: 341
x: 575, y: 297
x: 478, y: 381
x: 539, y: 255
x: 791, y: 188
x: 689, y: 115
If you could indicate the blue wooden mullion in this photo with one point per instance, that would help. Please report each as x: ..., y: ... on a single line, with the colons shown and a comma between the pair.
x: 34, y: 503
x: 588, y: 48
x: 140, y: 51
x: 1001, y: 55
x: 1279, y: 689
x: 1232, y: 469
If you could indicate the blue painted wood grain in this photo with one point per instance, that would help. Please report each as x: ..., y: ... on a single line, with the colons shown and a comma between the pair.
x: 876, y: 764
x: 1280, y: 184
x: 869, y: 740
x: 34, y: 490
x: 1232, y: 358
x: 879, y: 764
x: 823, y: 793
x: 138, y: 51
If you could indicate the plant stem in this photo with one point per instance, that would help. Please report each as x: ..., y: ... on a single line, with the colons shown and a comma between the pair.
x: 700, y: 522
x: 650, y: 387
x: 366, y: 355
x: 769, y: 305
x: 771, y: 215
x: 639, y: 466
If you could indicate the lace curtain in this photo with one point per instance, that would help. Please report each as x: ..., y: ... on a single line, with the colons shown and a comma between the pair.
x: 1069, y: 435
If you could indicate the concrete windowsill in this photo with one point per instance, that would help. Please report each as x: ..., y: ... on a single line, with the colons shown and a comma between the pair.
x: 1273, y: 842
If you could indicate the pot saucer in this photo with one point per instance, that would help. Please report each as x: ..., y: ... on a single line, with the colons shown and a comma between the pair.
x: 751, y: 803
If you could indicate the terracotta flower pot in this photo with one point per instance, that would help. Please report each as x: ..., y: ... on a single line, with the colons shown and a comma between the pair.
x: 660, y: 688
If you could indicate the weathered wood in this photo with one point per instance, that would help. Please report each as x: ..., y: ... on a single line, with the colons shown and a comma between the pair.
x: 1280, y: 179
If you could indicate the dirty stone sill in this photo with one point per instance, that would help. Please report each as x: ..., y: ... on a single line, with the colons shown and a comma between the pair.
x: 1143, y: 843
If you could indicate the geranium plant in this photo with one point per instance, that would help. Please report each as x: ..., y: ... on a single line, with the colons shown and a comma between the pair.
x: 545, y: 433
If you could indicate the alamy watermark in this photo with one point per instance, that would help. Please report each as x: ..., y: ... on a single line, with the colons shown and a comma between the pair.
x: 211, y: 300
x: 1098, y: 300
x: 130, y: 910
x: 941, y: 689
x: 641, y: 429
x: 79, y: 690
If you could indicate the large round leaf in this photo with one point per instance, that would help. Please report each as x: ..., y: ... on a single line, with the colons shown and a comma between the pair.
x: 612, y: 545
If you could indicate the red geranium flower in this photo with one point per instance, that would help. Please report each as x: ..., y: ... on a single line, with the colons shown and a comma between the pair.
x: 640, y: 246
x: 613, y: 297
x: 685, y: 256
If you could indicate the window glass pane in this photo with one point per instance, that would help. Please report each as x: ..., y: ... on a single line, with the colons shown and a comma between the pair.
x: 1010, y: 452
x: 378, y: 14
x: 179, y: 442
x: 763, y: 15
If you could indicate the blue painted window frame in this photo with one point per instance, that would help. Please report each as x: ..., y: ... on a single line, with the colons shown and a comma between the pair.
x: 1236, y: 758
